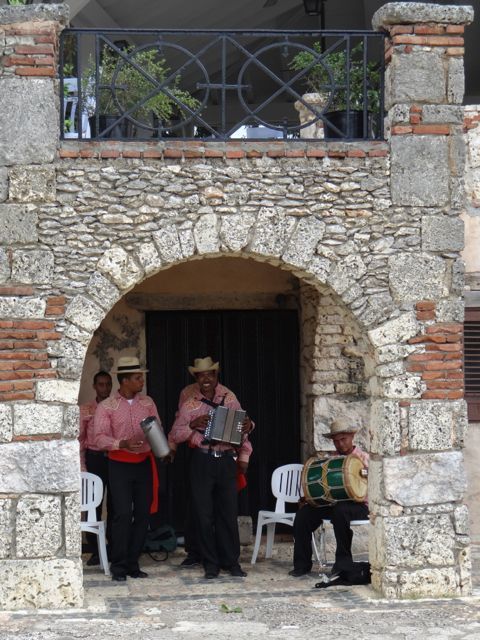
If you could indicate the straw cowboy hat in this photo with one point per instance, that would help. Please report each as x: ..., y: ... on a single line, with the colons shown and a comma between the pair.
x: 129, y: 364
x: 340, y: 425
x: 203, y: 364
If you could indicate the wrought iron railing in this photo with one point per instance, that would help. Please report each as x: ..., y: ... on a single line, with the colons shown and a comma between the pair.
x: 136, y: 85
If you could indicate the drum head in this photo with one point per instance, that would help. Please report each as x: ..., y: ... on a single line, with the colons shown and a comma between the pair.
x: 356, y: 484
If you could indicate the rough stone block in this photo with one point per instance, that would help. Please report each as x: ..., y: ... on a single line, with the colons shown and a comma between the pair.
x: 119, y: 266
x: 442, y: 114
x: 442, y: 233
x: 6, y: 527
x: 41, y: 584
x: 432, y: 424
x: 3, y: 184
x: 461, y: 520
x: 420, y: 170
x: 403, y: 387
x: 384, y: 429
x: 168, y: 244
x: 36, y: 419
x: 439, y: 478
x: 71, y: 421
x: 235, y: 230
x: 303, y: 241
x: 420, y: 12
x: 73, y: 534
x: 32, y: 266
x: 416, y: 277
x: 31, y: 184
x: 104, y: 292
x: 17, y: 226
x: 427, y: 583
x: 13, y: 307
x: 245, y: 529
x: 272, y: 232
x: 5, y: 268
x: 455, y: 80
x: 417, y: 541
x: 84, y: 313
x: 394, y: 331
x: 450, y: 310
x: 149, y: 258
x: 31, y: 140
x: 38, y: 526
x: 416, y: 77
x: 65, y: 391
x: 6, y: 422
x: 43, y: 467
x: 206, y: 236
x: 345, y: 272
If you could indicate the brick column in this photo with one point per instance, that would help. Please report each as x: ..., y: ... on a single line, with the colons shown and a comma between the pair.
x: 419, y: 544
x: 40, y: 562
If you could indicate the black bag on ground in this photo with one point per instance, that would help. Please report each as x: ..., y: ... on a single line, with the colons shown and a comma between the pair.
x: 161, y: 539
x: 358, y: 573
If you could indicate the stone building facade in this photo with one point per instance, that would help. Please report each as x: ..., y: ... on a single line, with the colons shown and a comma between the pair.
x: 370, y: 230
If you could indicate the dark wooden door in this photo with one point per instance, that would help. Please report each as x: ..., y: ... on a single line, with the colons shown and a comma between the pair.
x: 258, y: 354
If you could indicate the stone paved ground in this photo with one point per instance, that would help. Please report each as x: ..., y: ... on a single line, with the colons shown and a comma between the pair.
x: 180, y: 604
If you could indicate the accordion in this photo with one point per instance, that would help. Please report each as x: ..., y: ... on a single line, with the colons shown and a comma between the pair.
x: 225, y: 425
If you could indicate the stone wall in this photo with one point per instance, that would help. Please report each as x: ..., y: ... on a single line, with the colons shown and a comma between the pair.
x: 372, y: 232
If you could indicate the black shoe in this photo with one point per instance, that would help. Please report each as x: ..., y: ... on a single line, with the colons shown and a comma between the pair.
x: 93, y: 561
x: 138, y: 574
x: 190, y: 561
x: 119, y: 578
x: 238, y: 572
x: 211, y: 575
x: 297, y: 573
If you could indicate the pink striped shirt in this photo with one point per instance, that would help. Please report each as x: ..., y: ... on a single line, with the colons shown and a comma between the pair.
x: 116, y: 419
x: 85, y: 437
x: 191, y: 407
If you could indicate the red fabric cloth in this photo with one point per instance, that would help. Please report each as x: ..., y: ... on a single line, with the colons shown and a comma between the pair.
x: 122, y: 455
x: 241, y: 480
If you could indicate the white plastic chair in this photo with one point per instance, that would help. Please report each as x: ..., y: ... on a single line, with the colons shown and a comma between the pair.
x: 286, y: 487
x: 321, y: 550
x: 92, y: 494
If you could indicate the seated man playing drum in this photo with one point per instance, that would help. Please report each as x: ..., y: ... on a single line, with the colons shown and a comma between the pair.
x: 312, y: 511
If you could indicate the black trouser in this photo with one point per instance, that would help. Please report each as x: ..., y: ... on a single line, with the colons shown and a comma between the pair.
x: 190, y: 532
x: 310, y: 518
x: 131, y: 488
x: 97, y: 463
x: 214, y: 501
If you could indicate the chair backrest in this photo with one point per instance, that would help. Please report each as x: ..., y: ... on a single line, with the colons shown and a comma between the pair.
x: 286, y: 485
x: 91, y: 495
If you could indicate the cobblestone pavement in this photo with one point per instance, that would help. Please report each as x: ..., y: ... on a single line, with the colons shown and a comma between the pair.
x: 181, y: 604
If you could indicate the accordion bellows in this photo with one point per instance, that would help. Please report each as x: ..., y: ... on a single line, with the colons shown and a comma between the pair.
x: 225, y: 425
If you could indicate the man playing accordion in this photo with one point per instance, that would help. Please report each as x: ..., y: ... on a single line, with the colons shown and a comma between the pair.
x: 341, y: 513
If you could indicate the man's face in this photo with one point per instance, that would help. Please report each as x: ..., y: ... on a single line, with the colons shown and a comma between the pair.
x: 207, y: 381
x: 343, y: 443
x: 134, y: 383
x: 103, y: 387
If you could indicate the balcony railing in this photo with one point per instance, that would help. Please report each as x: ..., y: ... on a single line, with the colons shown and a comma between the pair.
x: 141, y: 85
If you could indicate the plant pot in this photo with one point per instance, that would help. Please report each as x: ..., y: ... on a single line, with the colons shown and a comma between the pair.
x: 122, y: 130
x: 348, y: 123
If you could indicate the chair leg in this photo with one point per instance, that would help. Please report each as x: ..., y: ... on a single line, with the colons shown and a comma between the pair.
x: 102, y: 549
x: 270, y: 537
x: 258, y: 539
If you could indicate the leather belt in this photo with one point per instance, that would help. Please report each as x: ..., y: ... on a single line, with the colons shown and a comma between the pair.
x: 217, y: 454
x: 95, y: 452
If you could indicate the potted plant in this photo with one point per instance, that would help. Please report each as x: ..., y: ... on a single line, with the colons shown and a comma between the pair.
x: 131, y: 87
x: 328, y: 77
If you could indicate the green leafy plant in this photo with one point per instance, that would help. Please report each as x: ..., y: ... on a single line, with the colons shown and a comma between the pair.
x: 133, y: 87
x: 330, y: 74
x: 19, y: 2
x: 224, y: 608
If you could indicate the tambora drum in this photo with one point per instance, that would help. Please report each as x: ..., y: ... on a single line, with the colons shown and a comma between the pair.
x: 334, y: 479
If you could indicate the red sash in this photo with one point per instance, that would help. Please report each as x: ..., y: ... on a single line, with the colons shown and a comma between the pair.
x: 122, y: 455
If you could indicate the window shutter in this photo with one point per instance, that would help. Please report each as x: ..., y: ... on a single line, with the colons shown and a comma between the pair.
x: 471, y: 336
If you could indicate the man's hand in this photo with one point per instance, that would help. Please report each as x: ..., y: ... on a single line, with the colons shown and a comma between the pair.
x: 133, y: 444
x: 302, y: 502
x: 200, y: 422
x: 242, y: 466
x: 247, y: 425
x: 170, y: 457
